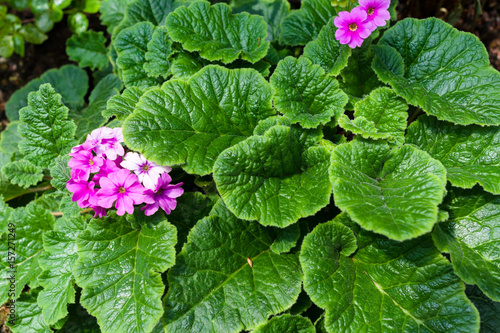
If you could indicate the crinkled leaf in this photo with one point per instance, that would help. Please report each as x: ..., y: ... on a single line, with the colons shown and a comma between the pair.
x: 469, y: 153
x: 10, y: 138
x: 489, y: 311
x: 60, y: 172
x: 123, y: 105
x: 392, y: 192
x: 305, y: 94
x: 445, y: 72
x: 193, y: 122
x: 303, y: 25
x: 472, y: 237
x: 158, y: 51
x: 23, y: 173
x: 286, y: 323
x: 275, y: 178
x: 327, y: 52
x: 69, y: 81
x: 208, y: 294
x: 217, y: 34
x: 5, y: 212
x: 57, y: 262
x: 112, y: 12
x: 131, y: 45
x: 286, y: 238
x: 119, y: 270
x: 381, y: 115
x: 386, y: 286
x: 45, y: 127
x: 29, y: 315
x: 68, y: 207
x: 273, y: 12
x: 88, y: 49
x: 30, y: 224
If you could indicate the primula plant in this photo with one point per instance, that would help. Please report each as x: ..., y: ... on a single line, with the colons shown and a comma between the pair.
x: 248, y: 167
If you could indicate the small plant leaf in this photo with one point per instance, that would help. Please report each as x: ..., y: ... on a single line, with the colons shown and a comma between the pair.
x: 88, y: 49
x: 286, y: 323
x: 23, y: 173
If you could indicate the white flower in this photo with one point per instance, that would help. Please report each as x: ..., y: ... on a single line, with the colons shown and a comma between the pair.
x: 147, y: 172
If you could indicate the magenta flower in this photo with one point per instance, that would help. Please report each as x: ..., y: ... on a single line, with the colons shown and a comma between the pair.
x: 147, y: 172
x: 377, y: 12
x: 86, y: 161
x: 98, y: 211
x: 163, y: 196
x: 108, y: 142
x: 352, y: 27
x: 107, y: 168
x: 124, y: 188
x: 83, y: 191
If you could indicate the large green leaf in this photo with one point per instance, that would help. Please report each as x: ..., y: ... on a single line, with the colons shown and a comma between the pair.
x: 489, y: 311
x: 303, y: 25
x: 119, y: 268
x: 275, y: 178
x: 29, y: 317
x: 112, y: 12
x: 159, y: 49
x: 326, y: 50
x: 386, y: 286
x: 392, y: 192
x: 45, y: 127
x: 445, y: 72
x: 217, y: 34
x: 208, y: 294
x: 123, y: 105
x: 469, y: 153
x: 471, y: 236
x: 273, y: 12
x: 132, y: 45
x: 381, y: 115
x: 192, y: 122
x: 31, y: 222
x: 57, y: 262
x: 286, y: 323
x: 23, y: 173
x: 88, y: 49
x: 10, y: 138
x: 305, y: 94
x: 69, y: 81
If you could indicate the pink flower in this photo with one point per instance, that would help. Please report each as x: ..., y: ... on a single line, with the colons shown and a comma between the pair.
x: 83, y: 191
x: 98, y: 211
x: 147, y: 172
x: 352, y: 27
x: 107, y: 168
x: 163, y: 196
x: 108, y: 142
x: 86, y: 146
x: 124, y: 188
x: 86, y: 161
x: 377, y: 12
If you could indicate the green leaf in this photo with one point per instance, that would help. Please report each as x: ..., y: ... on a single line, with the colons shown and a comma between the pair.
x: 5, y: 212
x: 186, y: 64
x: 358, y: 77
x: 273, y: 12
x: 57, y: 262
x: 217, y: 34
x: 88, y: 49
x: 31, y: 222
x: 445, y: 72
x: 89, y: 6
x: 9, y: 190
x: 305, y: 94
x: 192, y: 122
x: 78, y: 23
x: 470, y: 237
x: 60, y: 172
x: 32, y: 34
x: 213, y: 295
x: 68, y: 207
x: 69, y: 81
x: 381, y: 115
x: 489, y: 311
x: 112, y: 12
x: 45, y: 127
x: 23, y: 173
x: 275, y: 178
x: 91, y: 117
x: 326, y: 50
x: 286, y: 238
x: 385, y: 286
x: 10, y: 138
x: 303, y: 25
x: 123, y: 105
x: 6, y: 46
x: 159, y: 49
x: 392, y: 192
x: 286, y: 323
x: 469, y: 153
x: 131, y: 45
x: 119, y: 270
x: 28, y: 315
x: 191, y: 207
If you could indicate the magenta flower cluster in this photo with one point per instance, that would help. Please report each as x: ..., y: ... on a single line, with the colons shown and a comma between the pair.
x: 355, y: 26
x: 102, y: 175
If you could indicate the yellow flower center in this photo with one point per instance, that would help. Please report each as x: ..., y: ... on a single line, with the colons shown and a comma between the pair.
x: 370, y: 11
x: 145, y: 167
x: 121, y: 189
x: 91, y: 162
x: 353, y: 26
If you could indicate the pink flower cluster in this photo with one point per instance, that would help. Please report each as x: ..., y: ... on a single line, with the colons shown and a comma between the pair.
x: 355, y: 26
x: 101, y: 177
